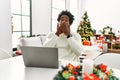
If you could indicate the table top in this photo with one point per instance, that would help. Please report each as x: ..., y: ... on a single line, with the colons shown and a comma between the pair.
x: 14, y: 69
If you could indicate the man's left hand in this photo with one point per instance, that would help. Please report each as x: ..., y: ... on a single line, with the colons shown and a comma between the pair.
x: 65, y: 27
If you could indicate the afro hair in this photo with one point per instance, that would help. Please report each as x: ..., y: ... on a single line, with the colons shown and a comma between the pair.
x: 67, y: 13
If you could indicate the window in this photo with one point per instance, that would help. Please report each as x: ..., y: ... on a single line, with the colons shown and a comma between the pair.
x: 74, y: 10
x: 20, y: 10
x: 57, y: 7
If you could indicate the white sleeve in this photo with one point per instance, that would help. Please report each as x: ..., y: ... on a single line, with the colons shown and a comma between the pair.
x: 76, y: 44
x: 50, y: 40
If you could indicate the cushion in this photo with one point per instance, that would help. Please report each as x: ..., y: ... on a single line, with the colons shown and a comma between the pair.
x: 43, y: 38
x: 31, y: 41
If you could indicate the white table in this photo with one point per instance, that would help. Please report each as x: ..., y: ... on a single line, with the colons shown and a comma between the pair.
x: 14, y: 69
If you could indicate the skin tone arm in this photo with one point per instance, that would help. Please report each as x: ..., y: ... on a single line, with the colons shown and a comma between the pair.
x: 59, y: 31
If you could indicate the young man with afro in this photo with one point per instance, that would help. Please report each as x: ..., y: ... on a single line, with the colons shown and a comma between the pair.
x: 68, y: 43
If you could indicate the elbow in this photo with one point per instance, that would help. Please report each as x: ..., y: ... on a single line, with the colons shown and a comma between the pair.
x: 78, y: 50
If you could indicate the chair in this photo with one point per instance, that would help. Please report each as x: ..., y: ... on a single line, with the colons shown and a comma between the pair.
x: 4, y: 54
x: 110, y: 59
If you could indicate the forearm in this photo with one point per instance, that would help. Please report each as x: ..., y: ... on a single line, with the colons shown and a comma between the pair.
x: 75, y: 45
x: 50, y: 41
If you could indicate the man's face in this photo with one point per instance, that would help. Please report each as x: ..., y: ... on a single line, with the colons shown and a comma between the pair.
x: 64, y: 19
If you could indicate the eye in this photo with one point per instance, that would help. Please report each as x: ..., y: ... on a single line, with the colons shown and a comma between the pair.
x: 66, y: 20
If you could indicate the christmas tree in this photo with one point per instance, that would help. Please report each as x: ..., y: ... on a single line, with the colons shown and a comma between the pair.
x: 84, y: 28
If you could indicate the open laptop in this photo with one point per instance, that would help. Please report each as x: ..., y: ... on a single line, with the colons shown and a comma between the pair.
x: 40, y: 57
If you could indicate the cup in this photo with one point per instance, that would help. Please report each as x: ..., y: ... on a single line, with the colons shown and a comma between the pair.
x: 105, y: 47
x: 88, y: 65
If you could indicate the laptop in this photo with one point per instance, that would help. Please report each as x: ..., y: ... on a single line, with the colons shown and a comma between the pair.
x: 44, y: 57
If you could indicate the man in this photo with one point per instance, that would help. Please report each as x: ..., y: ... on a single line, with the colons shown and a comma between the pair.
x: 68, y: 43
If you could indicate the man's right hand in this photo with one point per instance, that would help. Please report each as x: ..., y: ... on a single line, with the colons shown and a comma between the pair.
x: 58, y: 32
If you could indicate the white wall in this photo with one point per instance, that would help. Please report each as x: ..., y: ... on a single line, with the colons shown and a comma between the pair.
x: 103, y: 12
x: 41, y: 16
x: 5, y: 25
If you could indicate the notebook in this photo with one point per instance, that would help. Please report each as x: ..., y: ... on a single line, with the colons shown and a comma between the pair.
x: 44, y: 57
